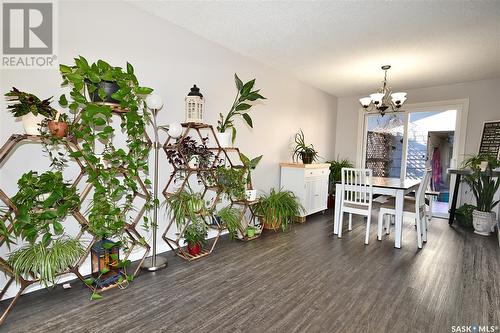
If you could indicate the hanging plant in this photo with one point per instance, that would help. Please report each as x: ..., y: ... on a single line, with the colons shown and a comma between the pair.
x: 113, y: 194
x: 43, y: 202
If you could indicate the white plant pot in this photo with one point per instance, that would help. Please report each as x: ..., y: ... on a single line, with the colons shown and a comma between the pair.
x: 31, y: 123
x: 483, y: 222
x: 224, y: 139
x: 251, y: 195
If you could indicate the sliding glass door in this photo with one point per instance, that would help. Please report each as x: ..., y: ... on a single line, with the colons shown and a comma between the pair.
x: 404, y: 144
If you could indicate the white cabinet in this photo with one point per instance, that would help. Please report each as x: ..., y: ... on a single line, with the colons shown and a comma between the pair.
x: 309, y: 182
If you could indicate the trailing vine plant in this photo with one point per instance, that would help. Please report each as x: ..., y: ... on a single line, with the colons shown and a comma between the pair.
x: 105, y: 163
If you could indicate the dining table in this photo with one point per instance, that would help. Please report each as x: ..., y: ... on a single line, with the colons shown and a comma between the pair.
x: 395, y: 187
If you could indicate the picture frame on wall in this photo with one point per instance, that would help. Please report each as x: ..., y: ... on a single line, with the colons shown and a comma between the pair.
x: 490, y: 138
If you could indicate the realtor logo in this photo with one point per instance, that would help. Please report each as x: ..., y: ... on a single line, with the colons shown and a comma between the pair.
x: 28, y: 34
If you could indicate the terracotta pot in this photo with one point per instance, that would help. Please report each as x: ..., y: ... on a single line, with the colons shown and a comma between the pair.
x: 273, y: 225
x: 331, y: 201
x: 194, y: 250
x: 58, y: 129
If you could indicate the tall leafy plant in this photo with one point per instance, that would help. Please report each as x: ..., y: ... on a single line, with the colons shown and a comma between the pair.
x: 336, y: 171
x: 482, y: 184
x: 241, y: 106
x: 302, y: 149
x: 113, y: 194
x: 249, y: 165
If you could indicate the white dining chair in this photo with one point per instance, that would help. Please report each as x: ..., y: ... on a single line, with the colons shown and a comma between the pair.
x: 357, y: 196
x: 414, y: 208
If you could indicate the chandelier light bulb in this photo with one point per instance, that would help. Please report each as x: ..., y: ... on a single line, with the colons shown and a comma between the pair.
x: 365, y: 101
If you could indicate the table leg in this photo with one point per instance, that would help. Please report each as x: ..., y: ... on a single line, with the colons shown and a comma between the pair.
x: 454, y: 200
x: 398, y: 235
x: 336, y: 213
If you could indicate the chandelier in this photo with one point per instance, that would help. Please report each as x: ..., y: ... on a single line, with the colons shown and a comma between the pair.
x: 384, y: 98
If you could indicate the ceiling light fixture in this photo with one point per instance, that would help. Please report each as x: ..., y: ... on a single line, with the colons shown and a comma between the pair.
x: 384, y: 98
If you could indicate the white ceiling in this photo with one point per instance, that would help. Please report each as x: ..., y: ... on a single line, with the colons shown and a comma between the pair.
x: 340, y: 46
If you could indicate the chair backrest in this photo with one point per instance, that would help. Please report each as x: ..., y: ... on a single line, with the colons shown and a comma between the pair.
x: 420, y: 195
x: 357, y: 186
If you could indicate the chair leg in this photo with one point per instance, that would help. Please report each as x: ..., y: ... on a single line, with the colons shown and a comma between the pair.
x: 419, y: 231
x: 368, y: 222
x: 350, y: 222
x: 341, y: 221
x: 424, y: 229
x: 388, y: 220
x: 380, y: 224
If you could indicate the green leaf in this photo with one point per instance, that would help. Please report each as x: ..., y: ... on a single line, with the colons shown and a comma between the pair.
x: 64, y: 69
x: 130, y: 277
x: 238, y: 82
x: 89, y: 281
x: 130, y: 68
x: 58, y: 228
x: 95, y: 296
x: 46, y: 238
x: 243, y: 106
x: 254, y: 97
x: 233, y: 135
x: 143, y: 90
x: 247, y: 119
x: 247, y: 87
x: 63, y: 101
x: 114, y: 256
x: 105, y: 270
x: 99, y: 122
x: 108, y: 245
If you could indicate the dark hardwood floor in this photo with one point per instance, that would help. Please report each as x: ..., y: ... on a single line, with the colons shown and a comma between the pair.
x: 304, y: 280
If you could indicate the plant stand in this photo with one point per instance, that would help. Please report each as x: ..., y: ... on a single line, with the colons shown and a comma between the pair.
x: 10, y: 146
x: 210, y: 191
x: 248, y: 218
x: 133, y: 236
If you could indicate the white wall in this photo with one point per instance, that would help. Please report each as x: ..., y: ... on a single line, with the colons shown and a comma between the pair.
x: 170, y: 60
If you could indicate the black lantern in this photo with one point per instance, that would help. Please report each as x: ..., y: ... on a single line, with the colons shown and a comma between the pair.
x: 105, y: 254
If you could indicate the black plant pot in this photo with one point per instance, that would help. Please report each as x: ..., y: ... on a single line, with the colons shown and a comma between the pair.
x: 306, y: 158
x: 110, y: 87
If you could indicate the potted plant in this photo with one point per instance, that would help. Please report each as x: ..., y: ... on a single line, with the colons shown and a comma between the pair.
x: 249, y: 165
x: 278, y: 208
x: 307, y: 153
x: 484, y: 187
x: 463, y: 214
x: 335, y: 176
x: 230, y: 217
x: 240, y: 107
x: 231, y: 181
x: 43, y: 202
x: 102, y: 83
x: 195, y: 236
x: 185, y: 205
x: 58, y: 126
x: 104, y: 163
x: 250, y: 231
x: 30, y: 108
